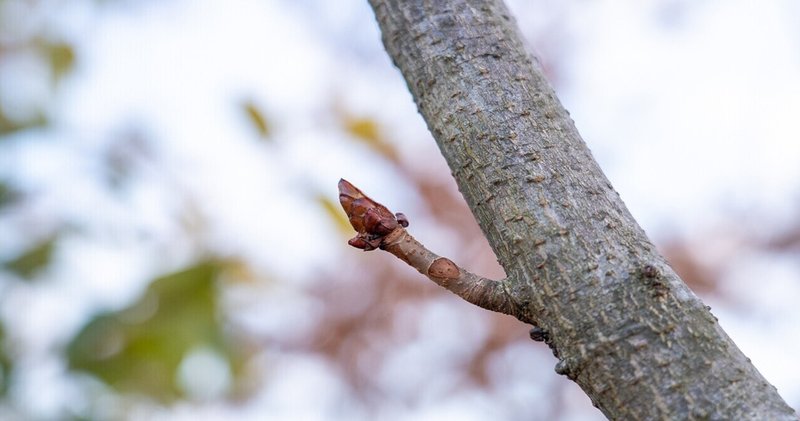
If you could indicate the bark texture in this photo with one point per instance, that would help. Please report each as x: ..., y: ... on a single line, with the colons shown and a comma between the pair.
x: 620, y: 321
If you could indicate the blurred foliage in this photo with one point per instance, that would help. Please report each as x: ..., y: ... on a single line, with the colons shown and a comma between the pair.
x: 60, y: 56
x: 124, y: 155
x: 368, y: 131
x: 5, y: 364
x: 9, y: 126
x: 32, y: 261
x: 8, y: 194
x: 335, y: 213
x: 140, y: 348
x: 257, y: 118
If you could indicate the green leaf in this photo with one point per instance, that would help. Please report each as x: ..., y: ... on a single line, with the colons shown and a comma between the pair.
x: 6, y: 365
x: 10, y: 126
x: 8, y: 194
x: 139, y: 349
x: 32, y: 261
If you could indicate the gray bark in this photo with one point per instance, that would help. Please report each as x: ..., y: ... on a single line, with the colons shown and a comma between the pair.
x: 620, y: 321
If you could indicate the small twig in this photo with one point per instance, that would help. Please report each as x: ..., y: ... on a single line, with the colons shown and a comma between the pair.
x: 378, y: 228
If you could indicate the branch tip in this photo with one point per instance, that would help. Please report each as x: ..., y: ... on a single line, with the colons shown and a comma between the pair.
x: 378, y: 228
x: 370, y: 219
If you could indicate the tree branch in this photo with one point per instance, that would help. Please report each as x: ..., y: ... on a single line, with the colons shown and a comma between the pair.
x: 377, y: 227
x: 621, y: 322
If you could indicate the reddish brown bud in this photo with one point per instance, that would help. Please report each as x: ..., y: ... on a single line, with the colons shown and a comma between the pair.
x: 371, y: 219
x: 358, y: 243
x: 366, y: 215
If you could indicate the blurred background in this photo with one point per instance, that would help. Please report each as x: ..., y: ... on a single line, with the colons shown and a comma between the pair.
x: 171, y: 244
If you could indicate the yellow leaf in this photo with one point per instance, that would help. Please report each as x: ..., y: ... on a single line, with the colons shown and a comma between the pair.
x: 62, y: 59
x: 367, y: 130
x: 257, y: 118
x: 336, y: 214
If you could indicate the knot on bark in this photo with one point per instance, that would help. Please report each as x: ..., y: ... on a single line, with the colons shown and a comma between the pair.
x: 650, y: 271
x: 443, y: 269
x: 653, y: 278
x: 539, y: 335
